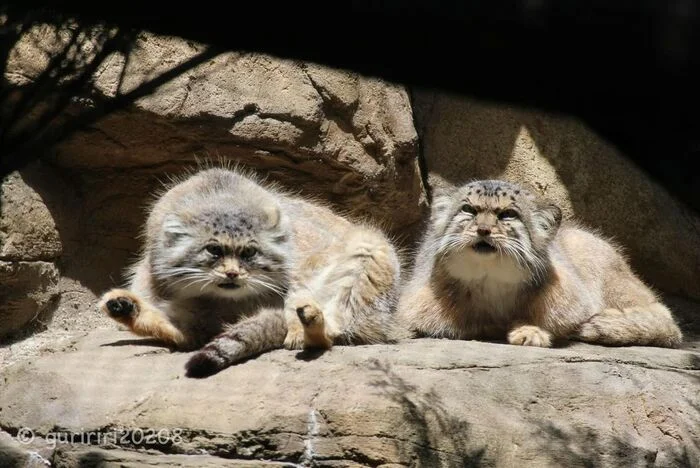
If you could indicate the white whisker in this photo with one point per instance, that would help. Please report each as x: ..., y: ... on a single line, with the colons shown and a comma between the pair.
x: 265, y: 285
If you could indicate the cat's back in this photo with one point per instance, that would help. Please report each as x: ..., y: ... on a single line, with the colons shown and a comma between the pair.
x: 326, y: 240
x: 587, y: 253
x: 314, y: 225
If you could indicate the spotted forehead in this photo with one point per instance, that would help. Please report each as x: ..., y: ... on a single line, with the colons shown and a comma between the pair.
x: 492, y: 194
x: 234, y: 224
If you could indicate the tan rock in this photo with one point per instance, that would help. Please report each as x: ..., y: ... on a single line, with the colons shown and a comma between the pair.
x: 70, y: 457
x: 28, y: 295
x: 27, y: 228
x: 419, y: 403
x: 29, y: 245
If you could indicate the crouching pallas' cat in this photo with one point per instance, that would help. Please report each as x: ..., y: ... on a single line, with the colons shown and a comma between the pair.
x: 496, y: 263
x: 240, y: 269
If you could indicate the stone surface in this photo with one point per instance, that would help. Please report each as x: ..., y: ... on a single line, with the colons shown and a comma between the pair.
x: 14, y: 453
x: 561, y: 158
x: 89, y: 457
x: 29, y: 246
x: 418, y: 403
x: 40, y: 453
x: 28, y: 291
x: 27, y: 228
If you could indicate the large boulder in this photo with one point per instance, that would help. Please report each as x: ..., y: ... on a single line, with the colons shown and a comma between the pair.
x: 29, y: 247
x: 328, y: 133
x: 419, y: 403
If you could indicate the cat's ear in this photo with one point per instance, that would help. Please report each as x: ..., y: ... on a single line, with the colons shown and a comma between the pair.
x: 273, y: 216
x: 547, y: 217
x: 174, y: 229
x: 441, y: 210
x: 443, y: 199
x: 441, y: 204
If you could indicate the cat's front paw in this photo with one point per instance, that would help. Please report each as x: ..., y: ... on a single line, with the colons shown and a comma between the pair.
x: 530, y: 335
x: 119, y: 304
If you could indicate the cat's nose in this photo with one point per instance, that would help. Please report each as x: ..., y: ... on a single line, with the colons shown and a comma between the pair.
x: 483, y: 230
x: 232, y: 274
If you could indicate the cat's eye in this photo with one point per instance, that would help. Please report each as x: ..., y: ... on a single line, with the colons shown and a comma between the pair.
x: 467, y: 208
x: 248, y: 252
x: 215, y: 250
x: 507, y: 215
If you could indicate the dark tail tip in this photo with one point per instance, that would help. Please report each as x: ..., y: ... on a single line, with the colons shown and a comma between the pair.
x: 203, y: 365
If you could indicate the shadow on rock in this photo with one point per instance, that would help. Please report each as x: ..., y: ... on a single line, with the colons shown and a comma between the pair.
x: 138, y: 342
x: 584, y: 447
x: 310, y: 354
x: 438, y: 438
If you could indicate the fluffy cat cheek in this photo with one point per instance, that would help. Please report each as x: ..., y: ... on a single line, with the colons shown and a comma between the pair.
x: 178, y: 253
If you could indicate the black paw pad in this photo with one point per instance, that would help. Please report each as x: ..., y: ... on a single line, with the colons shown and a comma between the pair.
x: 302, y: 316
x: 202, y: 365
x: 120, y: 307
x: 308, y: 315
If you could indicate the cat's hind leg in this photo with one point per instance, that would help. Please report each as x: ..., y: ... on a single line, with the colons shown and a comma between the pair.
x: 315, y: 332
x: 632, y: 315
x: 352, y: 298
x: 306, y: 324
x: 649, y: 325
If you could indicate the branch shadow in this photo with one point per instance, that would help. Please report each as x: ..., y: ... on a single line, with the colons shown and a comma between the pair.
x: 584, y: 447
x: 40, y: 113
x: 440, y: 438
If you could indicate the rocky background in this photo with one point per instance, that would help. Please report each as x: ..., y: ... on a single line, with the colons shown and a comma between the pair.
x: 69, y: 226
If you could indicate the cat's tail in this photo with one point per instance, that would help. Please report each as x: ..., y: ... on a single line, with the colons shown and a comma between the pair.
x: 650, y: 325
x: 253, y: 335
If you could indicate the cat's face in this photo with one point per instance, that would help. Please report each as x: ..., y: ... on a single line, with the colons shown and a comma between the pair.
x: 227, y: 253
x: 494, y: 221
